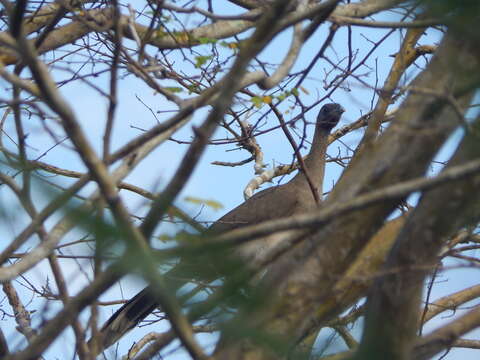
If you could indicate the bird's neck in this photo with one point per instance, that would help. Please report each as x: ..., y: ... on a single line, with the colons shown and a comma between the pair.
x: 315, y: 162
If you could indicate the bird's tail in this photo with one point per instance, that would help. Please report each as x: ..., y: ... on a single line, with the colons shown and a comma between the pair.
x: 125, y: 319
x: 144, y: 303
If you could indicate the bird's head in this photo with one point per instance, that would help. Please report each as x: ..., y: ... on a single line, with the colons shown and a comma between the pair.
x: 329, y: 116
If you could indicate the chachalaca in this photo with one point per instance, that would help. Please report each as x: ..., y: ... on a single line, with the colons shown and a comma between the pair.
x: 284, y: 200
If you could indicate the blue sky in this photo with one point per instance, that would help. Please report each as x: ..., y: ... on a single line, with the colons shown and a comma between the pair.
x: 222, y: 184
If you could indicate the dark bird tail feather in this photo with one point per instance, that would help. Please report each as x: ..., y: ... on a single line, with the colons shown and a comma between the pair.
x: 126, y: 318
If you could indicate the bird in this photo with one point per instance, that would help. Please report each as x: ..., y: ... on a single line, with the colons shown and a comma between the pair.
x: 284, y: 200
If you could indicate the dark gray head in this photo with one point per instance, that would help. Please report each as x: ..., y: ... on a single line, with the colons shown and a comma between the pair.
x: 329, y: 116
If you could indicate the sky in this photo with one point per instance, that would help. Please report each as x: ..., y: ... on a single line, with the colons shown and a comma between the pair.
x: 222, y: 184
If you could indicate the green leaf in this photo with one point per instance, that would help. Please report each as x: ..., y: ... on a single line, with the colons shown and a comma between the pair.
x: 173, y: 89
x: 229, y: 45
x: 215, y: 205
x: 201, y: 60
x: 165, y: 238
x: 206, y: 40
x: 257, y: 101
x: 193, y: 88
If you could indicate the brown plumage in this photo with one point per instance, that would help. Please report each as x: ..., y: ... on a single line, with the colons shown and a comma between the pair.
x: 280, y: 201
